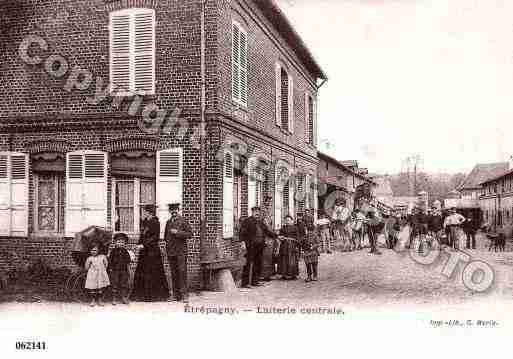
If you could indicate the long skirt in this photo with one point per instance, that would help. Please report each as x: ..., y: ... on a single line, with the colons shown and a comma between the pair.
x: 150, y: 282
x: 289, y: 255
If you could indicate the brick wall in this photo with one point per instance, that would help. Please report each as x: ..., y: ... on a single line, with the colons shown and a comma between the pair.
x: 177, y: 54
x: 32, y: 95
x: 265, y: 48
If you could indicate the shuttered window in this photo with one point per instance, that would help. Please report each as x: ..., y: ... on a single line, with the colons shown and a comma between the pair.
x: 239, y: 64
x: 132, y: 51
x: 86, y: 191
x: 252, y: 185
x: 13, y: 194
x: 169, y: 182
x: 310, y: 119
x: 228, y: 203
x: 284, y: 99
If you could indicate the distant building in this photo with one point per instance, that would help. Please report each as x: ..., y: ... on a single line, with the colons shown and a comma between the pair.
x: 335, y: 177
x: 471, y: 187
x: 496, y: 200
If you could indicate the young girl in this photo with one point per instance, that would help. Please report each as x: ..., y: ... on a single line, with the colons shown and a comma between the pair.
x: 97, y: 277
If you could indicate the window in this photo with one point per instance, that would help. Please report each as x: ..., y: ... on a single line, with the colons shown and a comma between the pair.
x: 239, y: 64
x: 13, y: 194
x: 310, y: 119
x: 132, y: 51
x: 130, y: 197
x: 49, y: 199
x: 284, y: 99
x: 228, y: 201
x: 237, y: 200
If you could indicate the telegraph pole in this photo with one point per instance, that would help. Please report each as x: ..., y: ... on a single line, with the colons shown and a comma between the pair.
x: 413, y: 161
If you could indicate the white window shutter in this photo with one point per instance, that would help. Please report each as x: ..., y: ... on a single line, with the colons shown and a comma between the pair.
x: 306, y: 192
x: 86, y: 190
x: 120, y: 45
x: 95, y: 189
x: 314, y: 197
x: 292, y: 187
x: 278, y: 200
x: 169, y: 182
x: 236, y: 86
x: 278, y: 207
x: 243, y: 63
x: 278, y: 94
x: 291, y: 104
x: 307, y: 117
x: 314, y: 119
x: 252, y: 185
x: 144, y: 51
x: 74, y: 220
x: 19, y: 194
x: 228, y: 195
x: 5, y: 195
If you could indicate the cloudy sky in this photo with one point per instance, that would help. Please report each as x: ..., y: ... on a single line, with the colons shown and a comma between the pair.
x: 429, y: 77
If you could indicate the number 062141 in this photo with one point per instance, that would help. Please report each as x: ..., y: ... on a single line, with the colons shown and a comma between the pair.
x: 31, y: 345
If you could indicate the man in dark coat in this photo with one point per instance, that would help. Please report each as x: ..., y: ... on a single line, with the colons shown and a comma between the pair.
x: 176, y: 234
x: 375, y: 225
x: 253, y: 232
x: 470, y: 227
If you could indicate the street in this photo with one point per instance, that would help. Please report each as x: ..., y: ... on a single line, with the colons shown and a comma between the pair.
x: 357, y: 279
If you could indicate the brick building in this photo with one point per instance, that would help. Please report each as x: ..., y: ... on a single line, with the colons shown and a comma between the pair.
x: 110, y: 105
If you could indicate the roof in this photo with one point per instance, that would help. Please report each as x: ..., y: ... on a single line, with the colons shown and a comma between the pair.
x: 481, y: 173
x: 491, y: 179
x: 280, y: 22
x: 336, y: 162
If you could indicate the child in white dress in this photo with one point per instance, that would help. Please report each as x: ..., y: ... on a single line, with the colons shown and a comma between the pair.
x: 97, y: 277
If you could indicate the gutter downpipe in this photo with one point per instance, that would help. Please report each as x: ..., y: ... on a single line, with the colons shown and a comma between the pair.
x: 203, y: 213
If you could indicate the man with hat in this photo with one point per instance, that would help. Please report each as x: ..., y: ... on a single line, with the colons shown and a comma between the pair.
x: 176, y: 234
x: 452, y: 223
x: 253, y: 232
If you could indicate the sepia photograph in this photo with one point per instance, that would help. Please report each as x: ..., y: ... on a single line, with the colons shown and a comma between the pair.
x: 292, y: 178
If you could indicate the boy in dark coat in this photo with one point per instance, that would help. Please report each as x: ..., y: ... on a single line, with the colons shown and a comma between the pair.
x: 119, y: 259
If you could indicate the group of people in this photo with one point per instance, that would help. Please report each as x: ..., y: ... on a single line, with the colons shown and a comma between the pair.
x: 353, y: 230
x: 269, y: 254
x: 150, y: 280
x: 433, y: 227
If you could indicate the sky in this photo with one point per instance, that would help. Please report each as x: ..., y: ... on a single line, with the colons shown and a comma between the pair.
x: 412, y: 77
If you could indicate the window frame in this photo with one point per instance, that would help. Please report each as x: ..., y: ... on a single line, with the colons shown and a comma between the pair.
x: 137, y: 205
x: 59, y: 205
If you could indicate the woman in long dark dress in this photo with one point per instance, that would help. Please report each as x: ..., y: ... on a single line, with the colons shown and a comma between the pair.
x: 289, y: 250
x: 150, y: 280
